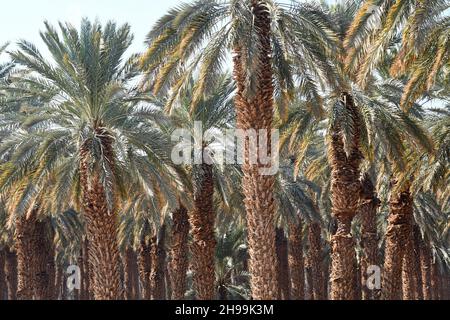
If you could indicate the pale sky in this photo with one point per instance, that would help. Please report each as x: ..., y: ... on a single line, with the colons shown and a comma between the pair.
x: 22, y: 19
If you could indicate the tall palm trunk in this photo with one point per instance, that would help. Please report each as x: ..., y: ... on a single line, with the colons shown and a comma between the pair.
x: 397, y: 235
x: 179, y: 253
x: 59, y: 282
x: 11, y: 273
x: 145, y: 268
x: 283, y: 265
x: 203, y: 246
x: 435, y: 282
x: 296, y: 261
x: 102, y: 224
x: 3, y: 288
x: 314, y: 262
x: 257, y: 113
x: 130, y: 272
x: 44, y: 262
x: 417, y: 270
x: 345, y: 195
x: 369, y: 236
x: 425, y: 267
x: 159, y: 257
x: 410, y: 280
x: 87, y: 293
x: 24, y: 237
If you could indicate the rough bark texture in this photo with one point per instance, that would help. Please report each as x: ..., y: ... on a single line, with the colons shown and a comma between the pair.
x: 435, y: 282
x: 203, y: 244
x: 179, y: 253
x: 159, y: 257
x: 369, y: 235
x: 296, y: 261
x: 309, y: 290
x: 425, y: 267
x: 345, y: 196
x: 101, y: 223
x: 59, y: 282
x: 255, y: 111
x: 145, y: 268
x: 283, y: 265
x: 314, y: 262
x: 417, y: 270
x: 44, y: 260
x: 87, y: 293
x: 11, y: 273
x: 167, y: 280
x: 410, y: 280
x: 24, y: 236
x: 3, y: 288
x: 130, y: 274
x: 397, y: 235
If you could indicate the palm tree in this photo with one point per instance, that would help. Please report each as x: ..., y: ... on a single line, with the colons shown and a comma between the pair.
x: 369, y: 233
x: 177, y: 48
x: 87, y: 115
x: 231, y: 255
x: 214, y: 112
x: 179, y: 252
x: 424, y: 51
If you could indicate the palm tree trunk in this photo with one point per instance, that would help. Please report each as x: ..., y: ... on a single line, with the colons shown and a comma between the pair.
x: 256, y: 113
x: 283, y: 265
x: 11, y: 273
x: 179, y: 253
x: 87, y: 293
x: 417, y: 269
x: 397, y: 235
x: 202, y: 220
x: 296, y: 261
x: 369, y: 236
x: 145, y: 268
x: 159, y: 256
x: 130, y: 272
x: 167, y: 280
x: 24, y: 237
x: 309, y: 290
x: 59, y: 282
x: 314, y: 261
x: 3, y: 288
x: 345, y: 195
x: 44, y: 260
x: 102, y: 225
x: 425, y: 266
x: 435, y: 282
x: 410, y: 280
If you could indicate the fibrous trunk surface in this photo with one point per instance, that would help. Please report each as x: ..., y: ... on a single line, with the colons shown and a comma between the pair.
x: 179, y: 253
x: 397, y: 235
x: 283, y: 265
x: 101, y: 223
x: 296, y: 260
x: 255, y: 111
x: 345, y: 195
x: 157, y: 277
x: 369, y: 237
x: 202, y: 220
x: 314, y: 262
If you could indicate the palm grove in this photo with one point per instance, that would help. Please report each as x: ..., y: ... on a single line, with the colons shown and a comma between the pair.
x: 359, y: 92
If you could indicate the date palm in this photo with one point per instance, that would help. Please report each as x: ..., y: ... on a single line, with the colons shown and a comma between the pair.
x: 214, y: 112
x: 423, y: 28
x: 78, y: 131
x: 261, y: 35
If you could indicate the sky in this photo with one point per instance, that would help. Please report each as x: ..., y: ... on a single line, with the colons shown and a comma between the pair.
x: 23, y: 19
